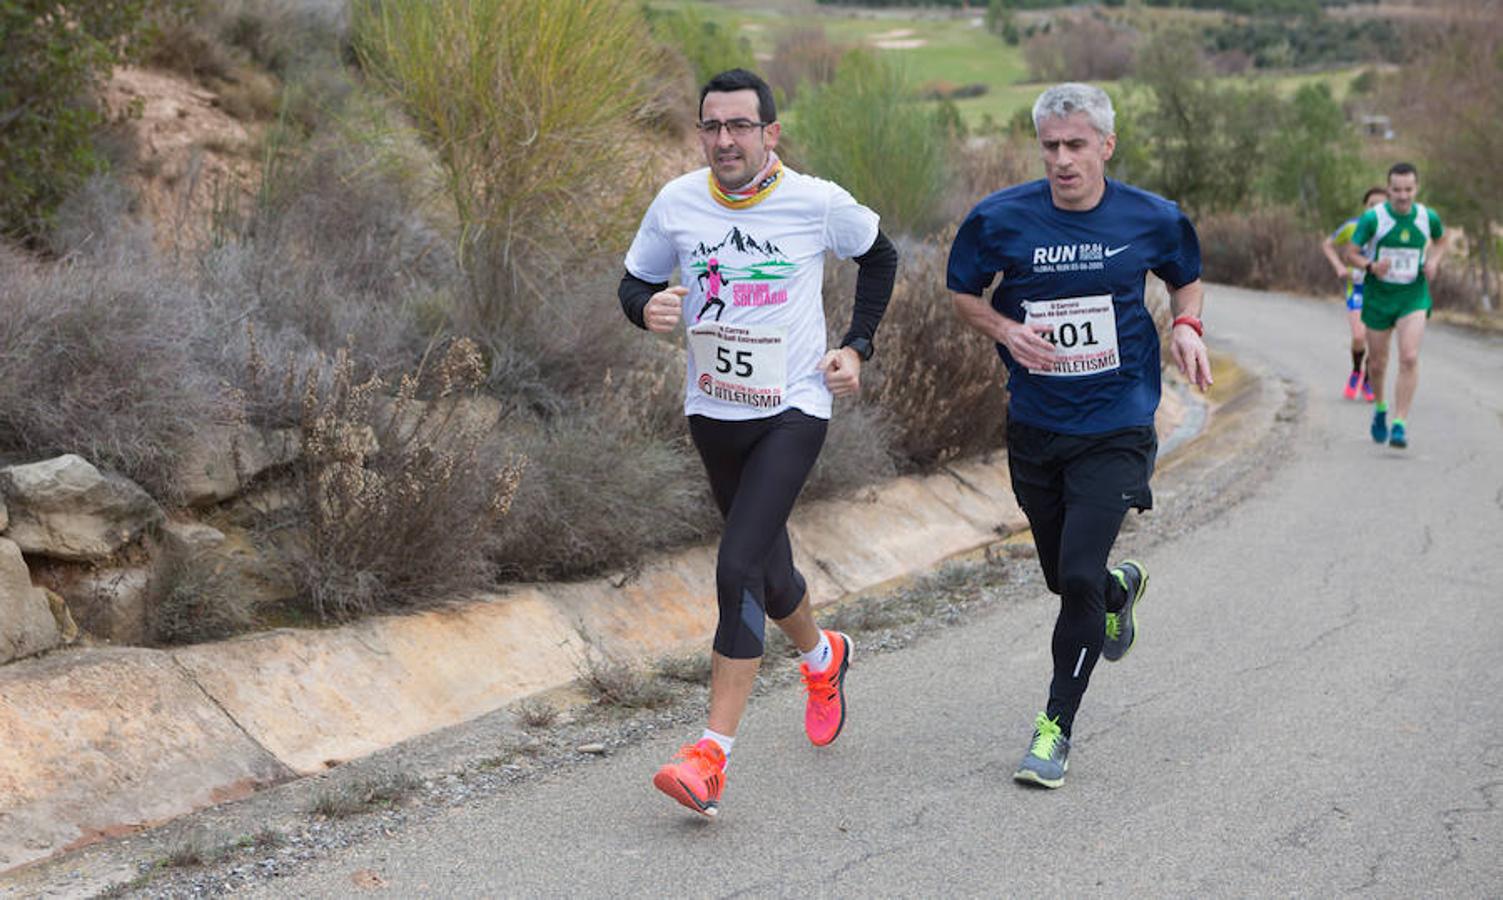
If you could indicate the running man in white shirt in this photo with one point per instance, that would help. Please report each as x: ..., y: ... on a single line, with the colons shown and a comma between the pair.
x: 758, y: 389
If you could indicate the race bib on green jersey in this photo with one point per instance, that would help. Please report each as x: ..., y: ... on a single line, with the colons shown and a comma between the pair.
x: 1403, y: 264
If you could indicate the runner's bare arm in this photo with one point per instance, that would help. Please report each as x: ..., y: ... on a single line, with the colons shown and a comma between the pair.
x: 1024, y: 342
x: 1185, y: 344
x: 1328, y: 247
x: 1352, y: 254
x: 1435, y: 253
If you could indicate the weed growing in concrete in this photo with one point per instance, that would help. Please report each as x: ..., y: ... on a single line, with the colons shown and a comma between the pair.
x: 536, y: 713
x: 380, y: 792
x: 690, y: 668
x: 267, y: 838
x: 189, y: 854
x: 621, y: 684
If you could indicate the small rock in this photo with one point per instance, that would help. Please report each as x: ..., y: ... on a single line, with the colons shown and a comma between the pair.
x: 595, y: 749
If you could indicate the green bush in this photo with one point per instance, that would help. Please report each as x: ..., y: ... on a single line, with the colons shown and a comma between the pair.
x: 529, y: 105
x: 53, y: 55
x: 707, y: 47
x: 865, y: 131
x: 1313, y: 163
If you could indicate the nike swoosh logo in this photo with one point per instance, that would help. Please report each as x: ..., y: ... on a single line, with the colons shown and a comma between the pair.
x: 1110, y: 251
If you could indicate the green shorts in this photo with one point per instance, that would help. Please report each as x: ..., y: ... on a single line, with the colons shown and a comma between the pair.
x: 1380, y: 313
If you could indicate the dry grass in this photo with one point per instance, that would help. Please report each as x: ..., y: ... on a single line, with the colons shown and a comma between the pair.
x: 621, y: 684
x: 196, y: 598
x: 535, y: 713
x: 690, y: 668
x: 367, y: 794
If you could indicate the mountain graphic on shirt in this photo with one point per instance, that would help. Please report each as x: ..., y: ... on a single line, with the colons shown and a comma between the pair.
x: 743, y: 242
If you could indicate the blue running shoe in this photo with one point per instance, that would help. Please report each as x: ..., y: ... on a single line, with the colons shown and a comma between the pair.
x: 1380, y: 426
x: 1397, y: 437
x: 1048, y: 755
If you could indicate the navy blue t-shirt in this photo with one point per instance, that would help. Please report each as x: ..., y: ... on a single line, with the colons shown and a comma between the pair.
x: 1049, y: 254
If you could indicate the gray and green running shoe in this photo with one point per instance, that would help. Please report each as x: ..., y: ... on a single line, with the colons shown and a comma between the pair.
x: 1048, y: 756
x: 1122, y: 627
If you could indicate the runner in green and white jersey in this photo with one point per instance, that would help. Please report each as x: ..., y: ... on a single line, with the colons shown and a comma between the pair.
x: 1399, y: 245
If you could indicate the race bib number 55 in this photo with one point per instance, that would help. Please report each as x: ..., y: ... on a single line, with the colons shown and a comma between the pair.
x: 1083, y: 331
x: 745, y: 364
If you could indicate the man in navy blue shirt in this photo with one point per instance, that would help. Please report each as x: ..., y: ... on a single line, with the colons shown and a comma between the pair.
x: 1082, y: 356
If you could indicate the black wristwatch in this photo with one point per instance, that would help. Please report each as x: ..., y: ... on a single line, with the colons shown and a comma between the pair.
x: 862, y: 346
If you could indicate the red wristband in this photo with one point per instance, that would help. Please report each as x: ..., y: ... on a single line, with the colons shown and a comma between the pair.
x: 1192, y: 322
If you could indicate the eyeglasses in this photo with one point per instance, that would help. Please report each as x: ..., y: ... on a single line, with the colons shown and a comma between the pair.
x: 737, y: 127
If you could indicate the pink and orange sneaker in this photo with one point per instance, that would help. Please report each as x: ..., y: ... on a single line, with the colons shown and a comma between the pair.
x: 1352, y: 382
x: 1367, y: 390
x: 697, y: 779
x: 824, y: 715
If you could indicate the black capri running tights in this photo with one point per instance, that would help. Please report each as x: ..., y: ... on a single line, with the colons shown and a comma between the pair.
x: 756, y: 468
x: 1075, y: 490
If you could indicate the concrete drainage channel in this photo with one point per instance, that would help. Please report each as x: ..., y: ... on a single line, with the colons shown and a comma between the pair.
x: 101, y: 742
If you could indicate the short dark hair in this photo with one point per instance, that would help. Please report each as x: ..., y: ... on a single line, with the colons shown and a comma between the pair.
x: 1403, y: 168
x: 742, y: 80
x: 1373, y: 190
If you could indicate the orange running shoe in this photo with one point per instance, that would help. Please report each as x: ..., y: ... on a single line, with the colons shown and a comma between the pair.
x: 698, y: 780
x: 824, y: 715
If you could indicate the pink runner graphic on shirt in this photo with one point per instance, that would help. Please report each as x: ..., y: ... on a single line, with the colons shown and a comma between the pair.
x: 750, y: 269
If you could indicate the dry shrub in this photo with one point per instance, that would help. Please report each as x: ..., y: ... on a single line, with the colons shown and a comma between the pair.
x: 190, y: 48
x: 194, y: 598
x: 536, y: 713
x: 402, y: 510
x: 1264, y: 248
x: 601, y: 495
x: 1083, y: 48
x: 690, y: 668
x: 857, y: 451
x: 938, y: 383
x: 95, y: 359
x: 339, y: 251
x: 1457, y: 286
x: 249, y: 95
x: 370, y: 793
x: 983, y: 164
x: 802, y: 57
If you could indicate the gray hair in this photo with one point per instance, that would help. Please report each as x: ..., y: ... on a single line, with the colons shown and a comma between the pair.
x: 1063, y: 99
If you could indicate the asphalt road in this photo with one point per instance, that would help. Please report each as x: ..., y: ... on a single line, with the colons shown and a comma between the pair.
x: 1314, y: 707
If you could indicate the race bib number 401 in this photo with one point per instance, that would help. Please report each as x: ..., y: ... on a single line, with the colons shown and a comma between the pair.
x: 1403, y: 264
x: 1083, y: 331
x: 745, y: 364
